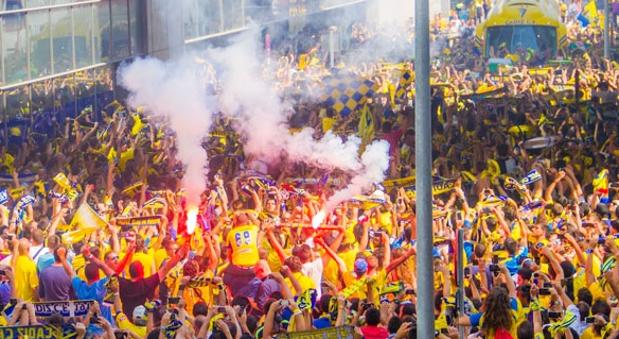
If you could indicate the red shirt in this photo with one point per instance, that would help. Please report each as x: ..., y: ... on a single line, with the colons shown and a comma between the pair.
x: 393, y: 138
x: 374, y: 332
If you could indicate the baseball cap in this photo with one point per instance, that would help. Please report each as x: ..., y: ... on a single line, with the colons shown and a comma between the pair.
x: 361, y: 266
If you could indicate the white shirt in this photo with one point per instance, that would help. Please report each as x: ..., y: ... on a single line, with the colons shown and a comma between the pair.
x: 34, y: 250
x: 313, y: 270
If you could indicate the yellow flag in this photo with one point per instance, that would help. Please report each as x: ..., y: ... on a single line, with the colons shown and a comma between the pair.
x: 137, y: 124
x: 84, y: 221
x: 600, y: 182
x: 111, y: 156
x: 590, y: 11
x: 366, y: 125
x: 86, y: 217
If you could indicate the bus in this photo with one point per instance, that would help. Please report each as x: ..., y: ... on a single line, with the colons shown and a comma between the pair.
x: 520, y: 27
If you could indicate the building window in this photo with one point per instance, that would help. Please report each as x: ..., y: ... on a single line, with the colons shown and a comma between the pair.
x: 39, y: 30
x: 120, y: 29
x: 62, y: 40
x: 83, y: 30
x: 14, y: 47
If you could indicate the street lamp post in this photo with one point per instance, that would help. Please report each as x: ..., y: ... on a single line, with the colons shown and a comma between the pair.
x: 423, y: 180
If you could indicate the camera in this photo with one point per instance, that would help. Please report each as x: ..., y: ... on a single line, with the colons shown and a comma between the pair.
x: 174, y: 300
x: 544, y: 291
x: 375, y: 234
x: 467, y: 272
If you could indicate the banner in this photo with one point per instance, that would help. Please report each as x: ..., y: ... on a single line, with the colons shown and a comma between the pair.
x: 4, y: 196
x: 342, y: 332
x: 23, y: 178
x: 399, y: 182
x: 73, y: 308
x: 35, y: 331
x: 438, y: 187
x: 20, y: 208
x: 16, y: 193
x: 131, y: 222
x: 63, y: 182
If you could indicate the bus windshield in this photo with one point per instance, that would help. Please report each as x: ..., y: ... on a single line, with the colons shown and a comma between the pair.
x: 514, y: 39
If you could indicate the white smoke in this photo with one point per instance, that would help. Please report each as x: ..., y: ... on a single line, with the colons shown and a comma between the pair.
x: 375, y: 162
x: 177, y: 90
x: 262, y: 117
x: 174, y: 90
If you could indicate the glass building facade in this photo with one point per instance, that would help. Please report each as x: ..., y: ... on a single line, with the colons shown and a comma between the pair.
x: 61, y: 56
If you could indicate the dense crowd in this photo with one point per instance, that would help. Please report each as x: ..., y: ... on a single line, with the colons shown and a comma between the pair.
x: 97, y: 240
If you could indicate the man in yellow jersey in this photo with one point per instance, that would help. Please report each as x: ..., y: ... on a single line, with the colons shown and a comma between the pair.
x: 242, y: 242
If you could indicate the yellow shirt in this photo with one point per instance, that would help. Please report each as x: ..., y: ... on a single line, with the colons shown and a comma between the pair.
x: 160, y: 256
x: 590, y: 334
x: 124, y: 324
x: 330, y: 272
x: 305, y: 282
x: 26, y: 279
x: 244, y: 243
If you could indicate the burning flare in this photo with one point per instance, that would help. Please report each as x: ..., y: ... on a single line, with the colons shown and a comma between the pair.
x: 318, y: 219
x: 192, y: 219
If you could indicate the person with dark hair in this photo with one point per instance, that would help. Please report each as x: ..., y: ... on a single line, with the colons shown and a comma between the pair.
x: 373, y: 328
x: 46, y: 257
x: 55, y: 281
x: 136, y: 290
x: 95, y: 288
x: 498, y: 312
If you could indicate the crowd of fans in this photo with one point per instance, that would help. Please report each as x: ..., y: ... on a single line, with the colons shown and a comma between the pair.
x: 525, y: 164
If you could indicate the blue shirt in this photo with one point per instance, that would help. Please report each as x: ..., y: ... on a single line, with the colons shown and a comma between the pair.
x: 322, y: 322
x: 96, y: 291
x: 513, y: 264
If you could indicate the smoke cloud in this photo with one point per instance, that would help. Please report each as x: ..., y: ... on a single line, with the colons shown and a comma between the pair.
x: 375, y: 162
x: 174, y: 90
x: 177, y: 90
x: 261, y: 116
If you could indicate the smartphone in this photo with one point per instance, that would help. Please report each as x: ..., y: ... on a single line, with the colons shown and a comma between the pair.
x: 589, y: 320
x: 467, y: 272
x: 459, y: 215
x: 284, y: 303
x: 544, y: 291
x: 547, y: 285
x: 13, y: 301
x: 2, y: 272
x: 410, y: 291
x: 174, y: 300
x: 221, y: 309
x: 601, y: 240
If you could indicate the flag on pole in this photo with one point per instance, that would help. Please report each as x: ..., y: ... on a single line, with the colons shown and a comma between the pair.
x: 84, y: 221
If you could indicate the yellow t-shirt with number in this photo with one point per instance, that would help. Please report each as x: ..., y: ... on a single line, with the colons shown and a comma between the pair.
x: 124, y: 324
x: 244, y: 243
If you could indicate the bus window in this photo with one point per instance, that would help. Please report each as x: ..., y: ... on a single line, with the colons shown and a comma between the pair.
x: 521, y: 38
